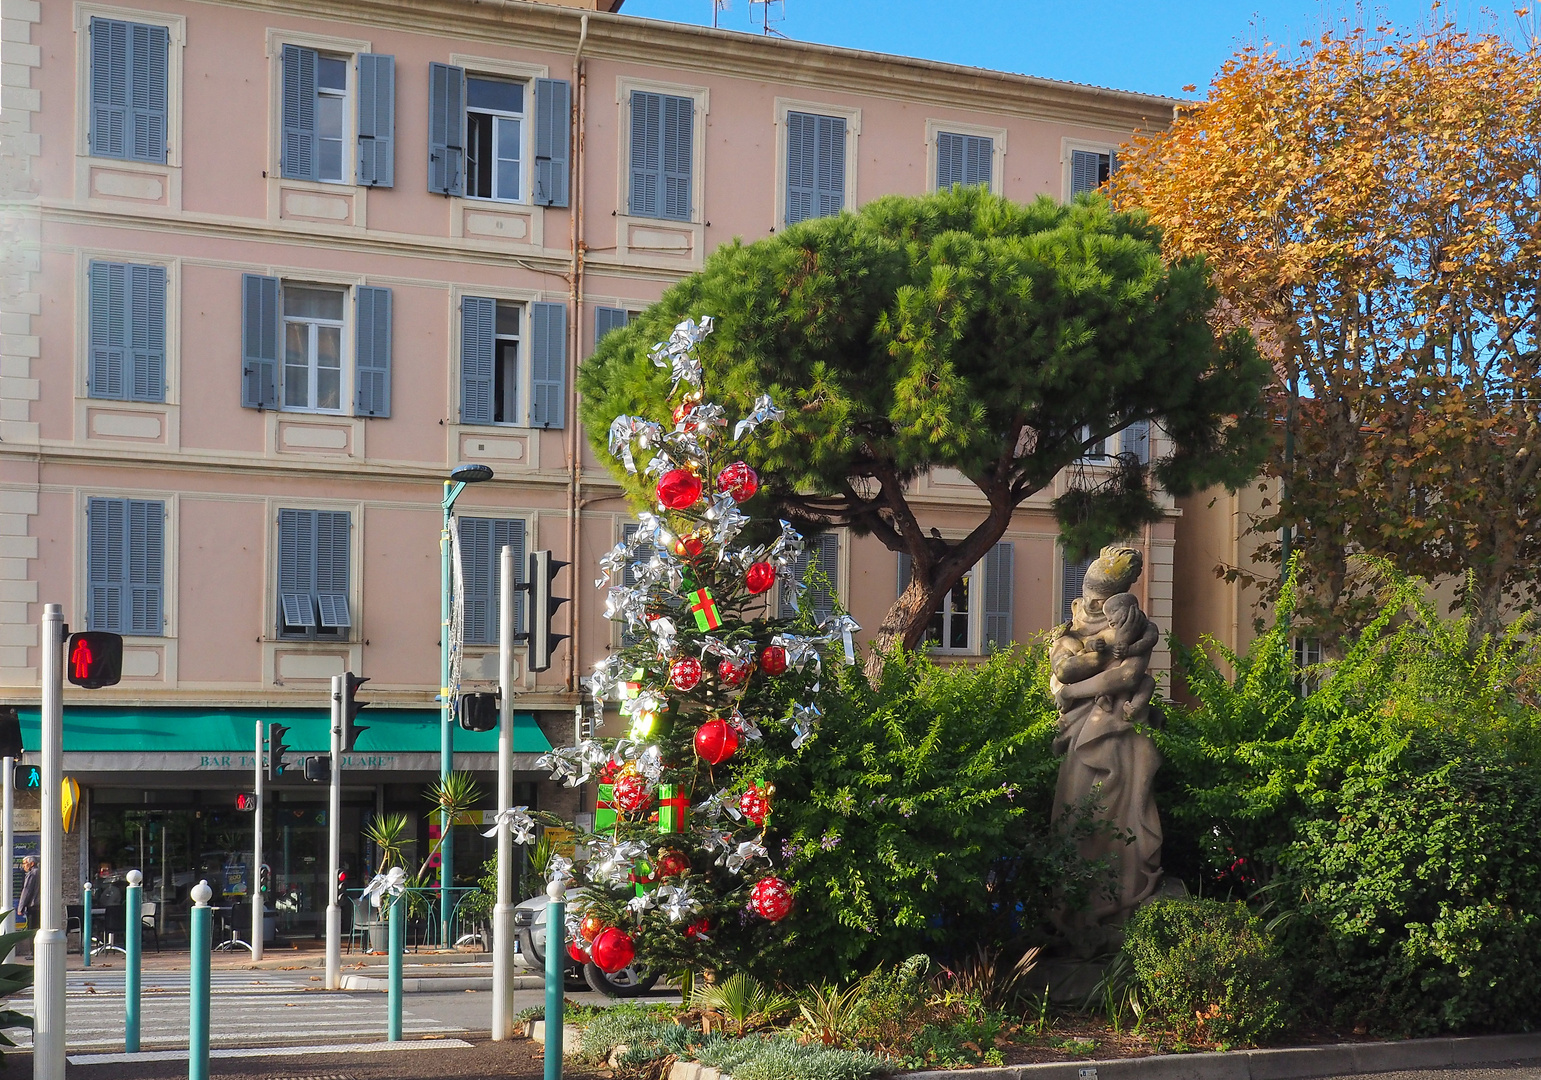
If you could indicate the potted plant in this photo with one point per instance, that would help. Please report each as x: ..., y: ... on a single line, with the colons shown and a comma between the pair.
x: 388, y: 832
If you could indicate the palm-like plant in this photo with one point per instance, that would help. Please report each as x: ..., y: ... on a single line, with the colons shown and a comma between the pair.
x: 832, y: 1015
x: 14, y: 978
x: 451, y: 796
x: 388, y: 832
x: 743, y: 1001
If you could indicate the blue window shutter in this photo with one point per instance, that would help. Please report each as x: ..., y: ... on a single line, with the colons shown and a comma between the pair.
x: 1136, y: 440
x: 802, y: 171
x: 678, y: 139
x: 548, y: 365
x: 903, y: 580
x: 831, y: 166
x: 109, y: 331
x: 1112, y: 162
x: 978, y: 161
x: 478, y: 324
x: 261, y: 335
x: 376, y: 120
x: 553, y: 140
x: 109, y: 88
x: 446, y: 129
x: 106, y: 566
x: 296, y: 569
x: 372, y: 344
x: 481, y: 545
x: 824, y: 550
x: 949, y: 160
x: 146, y: 137
x: 646, y: 153
x: 1072, y: 578
x: 146, y: 567
x: 298, y: 156
x: 999, y: 590
x: 147, y: 333
x: 1085, y: 171
x: 607, y: 319
x: 332, y: 558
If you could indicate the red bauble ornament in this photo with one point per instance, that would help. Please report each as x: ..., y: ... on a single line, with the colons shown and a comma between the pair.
x: 689, y: 547
x: 671, y: 863
x: 731, y: 673
x: 738, y: 480
x: 773, y: 660
x: 759, y: 577
x: 755, y: 804
x: 770, y: 899
x: 679, y: 489
x: 631, y: 794
x: 685, y: 673
x: 575, y: 951
x: 716, y: 741
x: 613, y: 949
x: 682, y: 410
x: 590, y: 927
x: 699, y: 928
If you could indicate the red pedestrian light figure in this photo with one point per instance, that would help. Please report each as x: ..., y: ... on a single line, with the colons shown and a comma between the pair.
x: 95, y: 659
x: 81, y: 659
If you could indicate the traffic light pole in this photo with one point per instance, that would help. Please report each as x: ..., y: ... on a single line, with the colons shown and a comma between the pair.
x: 503, y: 910
x: 452, y: 491
x: 48, y: 945
x: 254, y: 881
x: 334, y: 846
x: 8, y: 853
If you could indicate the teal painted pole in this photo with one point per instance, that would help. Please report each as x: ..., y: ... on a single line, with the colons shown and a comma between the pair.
x: 85, y: 925
x: 133, y: 930
x: 556, y: 955
x: 446, y: 710
x: 198, y: 987
x: 398, y: 946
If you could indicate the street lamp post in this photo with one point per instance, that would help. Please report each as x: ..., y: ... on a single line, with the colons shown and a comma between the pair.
x: 458, y: 479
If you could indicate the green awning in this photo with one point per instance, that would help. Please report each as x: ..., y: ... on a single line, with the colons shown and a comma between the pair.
x: 174, y: 730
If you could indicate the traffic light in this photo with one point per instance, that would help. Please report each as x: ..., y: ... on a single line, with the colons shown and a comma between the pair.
x: 265, y: 879
x: 27, y: 776
x: 478, y: 712
x: 94, y: 659
x: 542, y: 606
x: 318, y: 769
x: 350, y: 710
x: 246, y: 800
x: 276, y: 750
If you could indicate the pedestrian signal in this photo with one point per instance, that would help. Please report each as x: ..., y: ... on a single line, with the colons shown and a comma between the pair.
x: 93, y: 659
x: 246, y: 800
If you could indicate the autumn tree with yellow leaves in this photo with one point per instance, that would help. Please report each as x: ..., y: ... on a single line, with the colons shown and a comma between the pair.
x: 1370, y: 208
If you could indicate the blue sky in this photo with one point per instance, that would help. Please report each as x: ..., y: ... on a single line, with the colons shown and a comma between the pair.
x: 1153, y: 47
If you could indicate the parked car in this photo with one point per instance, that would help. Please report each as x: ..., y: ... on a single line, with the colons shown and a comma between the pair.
x: 530, y: 924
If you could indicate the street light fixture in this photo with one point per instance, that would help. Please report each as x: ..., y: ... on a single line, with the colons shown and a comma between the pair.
x: 459, y: 477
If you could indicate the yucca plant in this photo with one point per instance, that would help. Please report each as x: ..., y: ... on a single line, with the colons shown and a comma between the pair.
x: 388, y: 832
x: 452, y: 795
x: 832, y: 1015
x: 995, y: 982
x: 743, y: 1001
x: 14, y: 978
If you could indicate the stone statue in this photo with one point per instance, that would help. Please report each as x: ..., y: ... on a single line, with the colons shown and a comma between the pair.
x: 1102, y: 685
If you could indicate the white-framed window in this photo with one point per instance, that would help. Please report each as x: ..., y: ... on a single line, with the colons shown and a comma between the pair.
x: 125, y: 566
x: 506, y: 367
x: 1087, y: 167
x: 495, y: 135
x: 513, y: 362
x: 335, y: 110
x: 1308, y: 657
x: 314, y: 580
x: 1133, y: 439
x: 964, y: 154
x: 313, y: 331
x: 978, y: 612
x: 129, y: 83
x: 952, y: 628
x: 331, y: 117
x: 815, y: 159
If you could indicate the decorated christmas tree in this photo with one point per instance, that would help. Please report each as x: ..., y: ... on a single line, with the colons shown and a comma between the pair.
x: 681, y: 871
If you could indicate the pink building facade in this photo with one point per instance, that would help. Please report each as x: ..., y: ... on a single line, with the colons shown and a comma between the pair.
x: 272, y: 269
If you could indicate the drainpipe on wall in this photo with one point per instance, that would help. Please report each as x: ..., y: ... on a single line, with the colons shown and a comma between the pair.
x: 575, y: 300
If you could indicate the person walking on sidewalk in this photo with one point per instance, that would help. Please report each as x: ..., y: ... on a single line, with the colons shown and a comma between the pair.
x: 28, y: 902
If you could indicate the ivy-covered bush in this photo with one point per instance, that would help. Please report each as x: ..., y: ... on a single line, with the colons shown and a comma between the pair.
x: 918, y: 819
x: 1208, y: 970
x: 1387, y: 816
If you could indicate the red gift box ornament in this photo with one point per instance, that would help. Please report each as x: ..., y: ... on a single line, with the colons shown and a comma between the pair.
x: 575, y: 951
x: 685, y: 673
x: 738, y: 480
x: 679, y: 489
x: 716, y: 741
x: 613, y: 949
x: 631, y: 795
x: 770, y: 899
x: 773, y: 660
x: 731, y: 673
x: 755, y: 803
x: 759, y: 577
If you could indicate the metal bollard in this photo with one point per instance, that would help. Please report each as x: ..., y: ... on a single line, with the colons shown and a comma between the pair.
x: 556, y: 956
x: 133, y: 930
x: 398, y: 930
x: 198, y: 989
x: 85, y: 925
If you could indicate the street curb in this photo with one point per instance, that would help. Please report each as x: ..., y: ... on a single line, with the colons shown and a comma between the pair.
x: 1292, y: 1063
x: 431, y: 983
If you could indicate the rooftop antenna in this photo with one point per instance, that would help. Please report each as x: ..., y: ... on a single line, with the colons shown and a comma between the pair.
x: 771, y: 11
x: 718, y: 7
